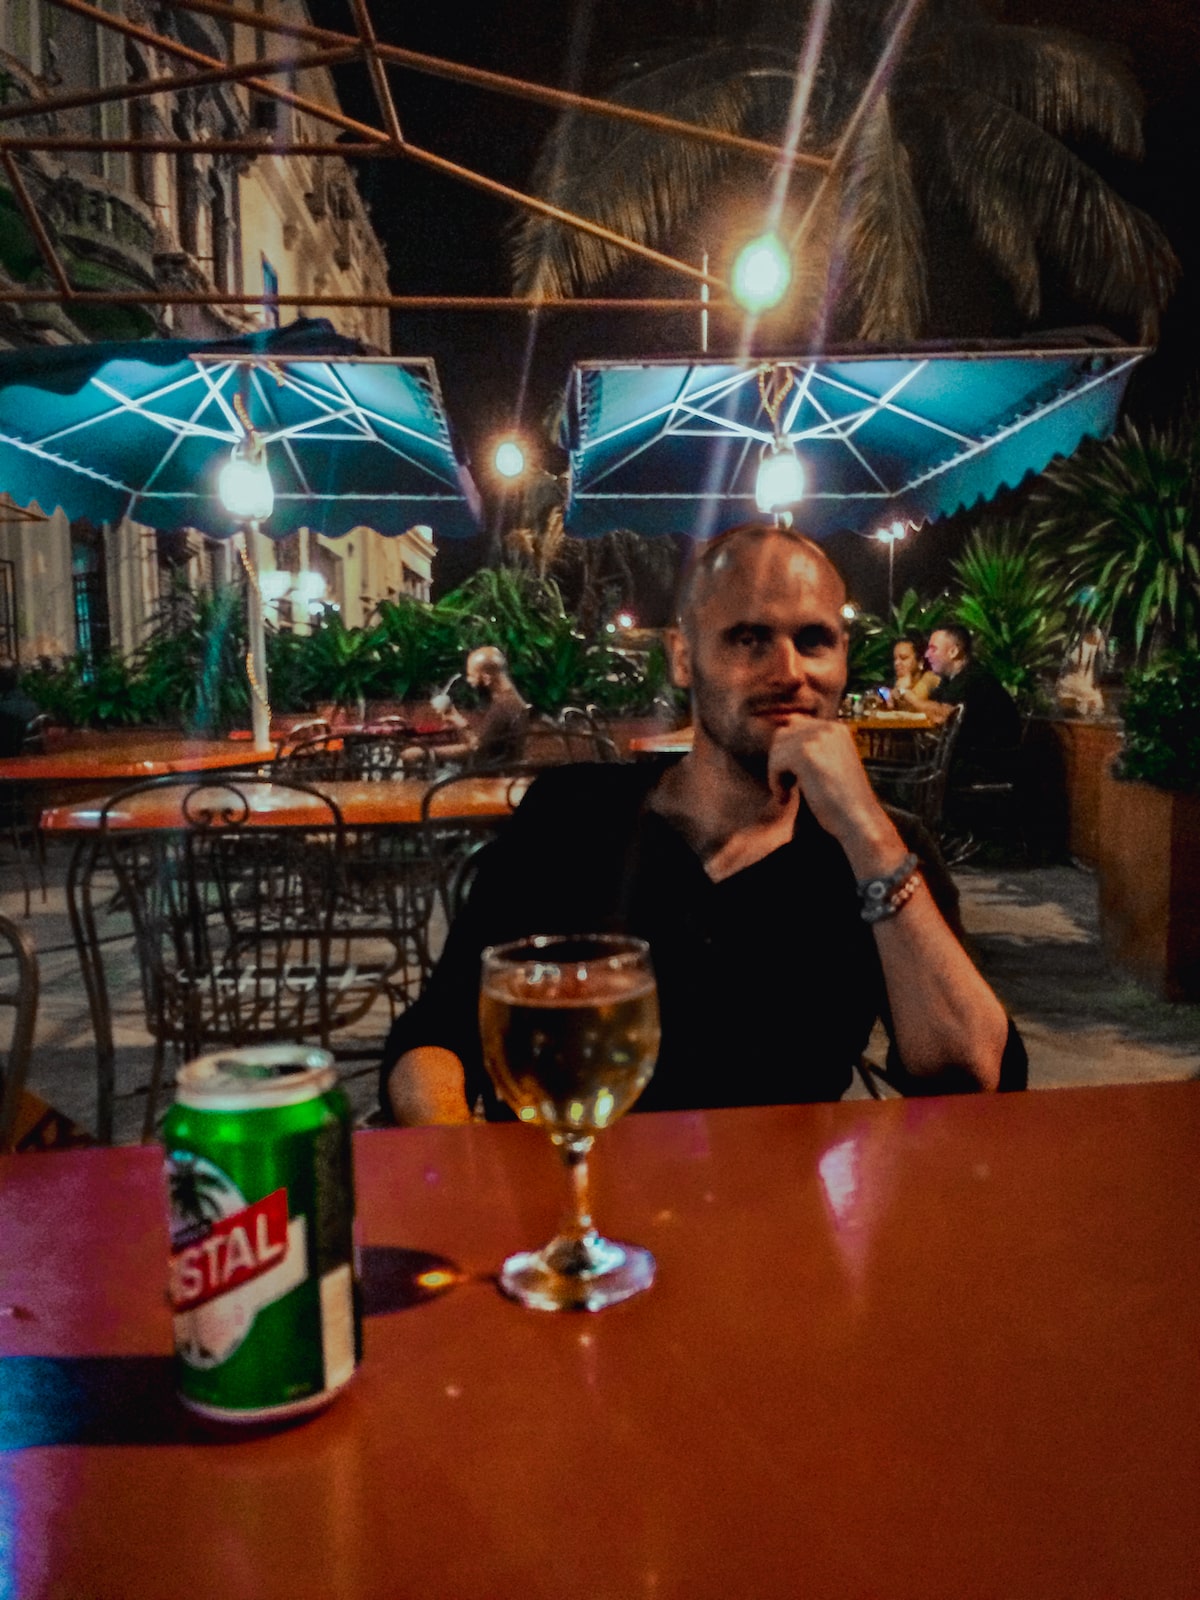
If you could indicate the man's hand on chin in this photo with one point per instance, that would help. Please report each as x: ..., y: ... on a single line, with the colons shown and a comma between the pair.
x: 820, y: 758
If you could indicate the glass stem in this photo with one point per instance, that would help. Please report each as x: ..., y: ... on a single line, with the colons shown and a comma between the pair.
x: 577, y: 1218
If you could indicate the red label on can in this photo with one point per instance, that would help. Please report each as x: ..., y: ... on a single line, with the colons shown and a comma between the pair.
x: 234, y: 1250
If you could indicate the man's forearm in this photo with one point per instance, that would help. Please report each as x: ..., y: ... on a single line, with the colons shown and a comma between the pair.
x: 426, y: 1086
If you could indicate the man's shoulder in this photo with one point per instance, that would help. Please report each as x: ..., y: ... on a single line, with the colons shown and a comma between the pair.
x: 594, y: 784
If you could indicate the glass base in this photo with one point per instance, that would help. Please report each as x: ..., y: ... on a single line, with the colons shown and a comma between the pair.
x: 577, y: 1274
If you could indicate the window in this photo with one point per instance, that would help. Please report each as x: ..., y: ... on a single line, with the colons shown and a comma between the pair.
x: 270, y: 286
x: 9, y: 650
x: 93, y: 633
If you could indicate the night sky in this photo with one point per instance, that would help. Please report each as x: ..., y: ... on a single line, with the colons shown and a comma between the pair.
x: 442, y: 237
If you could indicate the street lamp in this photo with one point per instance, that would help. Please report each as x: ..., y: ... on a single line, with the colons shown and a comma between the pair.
x: 509, y: 459
x: 891, y: 537
x: 247, y: 493
x: 761, y: 274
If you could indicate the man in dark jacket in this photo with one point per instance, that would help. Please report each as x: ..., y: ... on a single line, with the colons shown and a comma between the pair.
x: 785, y: 908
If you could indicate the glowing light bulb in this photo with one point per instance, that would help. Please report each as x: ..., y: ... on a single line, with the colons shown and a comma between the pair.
x: 761, y: 274
x: 245, y: 484
x: 780, y: 481
x: 509, y: 459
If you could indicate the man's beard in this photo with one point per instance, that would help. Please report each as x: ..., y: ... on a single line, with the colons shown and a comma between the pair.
x: 745, y: 752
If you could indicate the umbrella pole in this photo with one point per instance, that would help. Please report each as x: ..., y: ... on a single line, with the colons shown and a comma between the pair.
x: 256, y: 664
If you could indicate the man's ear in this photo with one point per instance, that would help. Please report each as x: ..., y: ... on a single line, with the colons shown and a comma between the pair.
x: 679, y: 658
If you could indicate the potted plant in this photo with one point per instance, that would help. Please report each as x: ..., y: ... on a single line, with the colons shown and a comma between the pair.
x: 1149, y: 866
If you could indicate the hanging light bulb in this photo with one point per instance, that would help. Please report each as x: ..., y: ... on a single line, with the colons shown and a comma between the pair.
x: 245, y: 483
x: 780, y: 481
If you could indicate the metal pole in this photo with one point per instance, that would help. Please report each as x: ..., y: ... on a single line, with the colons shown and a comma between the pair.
x: 891, y: 559
x: 260, y: 710
x: 704, y: 305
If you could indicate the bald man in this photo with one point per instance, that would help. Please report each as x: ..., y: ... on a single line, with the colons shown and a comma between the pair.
x: 785, y: 907
x: 501, y: 735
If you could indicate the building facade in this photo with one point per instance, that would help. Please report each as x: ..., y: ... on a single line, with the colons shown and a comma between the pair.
x: 190, y: 222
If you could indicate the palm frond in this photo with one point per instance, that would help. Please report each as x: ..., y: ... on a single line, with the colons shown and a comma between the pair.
x: 1069, y: 85
x: 884, y: 242
x: 638, y: 182
x: 1023, y: 189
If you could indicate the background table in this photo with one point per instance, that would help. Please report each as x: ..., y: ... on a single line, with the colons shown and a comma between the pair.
x: 365, y: 806
x: 927, y: 1349
x: 678, y: 741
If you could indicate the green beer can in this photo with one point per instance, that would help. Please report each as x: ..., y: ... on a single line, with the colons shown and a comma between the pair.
x: 260, y: 1188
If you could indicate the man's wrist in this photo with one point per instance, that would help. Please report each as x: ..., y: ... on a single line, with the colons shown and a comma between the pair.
x: 872, y: 844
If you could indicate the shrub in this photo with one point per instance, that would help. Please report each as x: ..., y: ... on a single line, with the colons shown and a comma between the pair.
x: 1161, y: 712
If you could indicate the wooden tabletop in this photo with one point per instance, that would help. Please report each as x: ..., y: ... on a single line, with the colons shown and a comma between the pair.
x: 127, y: 758
x: 914, y: 1349
x: 678, y: 741
x: 362, y: 804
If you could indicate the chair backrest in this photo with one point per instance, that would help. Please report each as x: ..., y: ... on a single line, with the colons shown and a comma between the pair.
x: 314, y: 728
x: 454, y: 838
x: 373, y: 754
x: 587, y: 739
x: 18, y: 993
x: 312, y: 759
x: 232, y: 916
x: 36, y: 729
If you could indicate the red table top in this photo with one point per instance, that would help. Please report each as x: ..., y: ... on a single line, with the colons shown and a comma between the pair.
x: 132, y: 756
x: 362, y: 804
x: 679, y: 740
x: 940, y: 1348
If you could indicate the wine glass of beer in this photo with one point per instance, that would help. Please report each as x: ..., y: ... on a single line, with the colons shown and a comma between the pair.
x: 570, y: 1035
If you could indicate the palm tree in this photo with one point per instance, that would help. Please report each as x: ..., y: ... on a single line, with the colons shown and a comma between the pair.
x: 981, y: 126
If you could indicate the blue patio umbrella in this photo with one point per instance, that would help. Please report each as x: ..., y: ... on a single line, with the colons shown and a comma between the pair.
x: 144, y: 430
x: 881, y: 435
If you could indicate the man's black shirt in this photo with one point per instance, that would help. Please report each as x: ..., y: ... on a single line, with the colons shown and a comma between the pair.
x: 769, y: 981
x: 991, y: 729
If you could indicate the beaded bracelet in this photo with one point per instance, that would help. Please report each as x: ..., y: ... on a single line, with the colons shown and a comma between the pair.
x: 882, y: 897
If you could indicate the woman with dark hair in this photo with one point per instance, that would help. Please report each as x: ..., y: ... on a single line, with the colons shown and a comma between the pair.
x: 914, y: 683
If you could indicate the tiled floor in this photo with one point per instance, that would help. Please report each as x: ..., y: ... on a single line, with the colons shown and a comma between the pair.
x: 1034, y: 932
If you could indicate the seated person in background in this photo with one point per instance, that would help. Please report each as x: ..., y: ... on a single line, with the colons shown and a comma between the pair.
x: 500, y: 737
x: 914, y: 682
x: 785, y: 908
x: 17, y: 710
x: 991, y: 727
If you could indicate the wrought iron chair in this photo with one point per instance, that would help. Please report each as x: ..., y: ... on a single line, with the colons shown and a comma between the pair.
x: 20, y: 995
x: 313, y: 759
x: 587, y: 739
x: 920, y: 786
x: 453, y: 842
x: 314, y: 728
x: 233, y: 920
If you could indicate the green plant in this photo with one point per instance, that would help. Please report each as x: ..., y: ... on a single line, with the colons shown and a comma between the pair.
x: 420, y: 646
x: 911, y: 614
x: 1161, y: 713
x: 192, y: 665
x: 80, y: 693
x: 1013, y: 598
x: 1128, y: 513
x: 340, y: 665
x: 869, y: 655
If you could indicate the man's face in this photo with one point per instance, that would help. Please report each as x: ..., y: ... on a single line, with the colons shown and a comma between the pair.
x: 767, y: 645
x: 943, y: 654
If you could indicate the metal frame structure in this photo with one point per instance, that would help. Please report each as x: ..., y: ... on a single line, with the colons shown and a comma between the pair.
x: 316, y: 47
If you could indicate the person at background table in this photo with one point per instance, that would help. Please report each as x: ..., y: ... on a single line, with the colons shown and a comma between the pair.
x: 500, y: 737
x: 748, y: 864
x: 914, y: 682
x: 991, y: 726
x: 17, y: 710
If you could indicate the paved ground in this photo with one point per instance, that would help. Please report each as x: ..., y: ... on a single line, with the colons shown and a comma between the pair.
x: 1034, y: 932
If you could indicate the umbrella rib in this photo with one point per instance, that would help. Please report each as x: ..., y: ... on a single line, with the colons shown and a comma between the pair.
x: 842, y: 438
x: 979, y: 446
x: 215, y: 379
x: 32, y: 449
x: 182, y: 427
x: 441, y: 445
x: 188, y: 431
x: 283, y: 437
x: 717, y: 387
